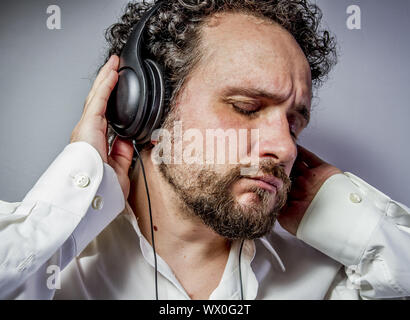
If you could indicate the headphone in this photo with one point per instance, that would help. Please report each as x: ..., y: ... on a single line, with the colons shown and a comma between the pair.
x: 136, y: 105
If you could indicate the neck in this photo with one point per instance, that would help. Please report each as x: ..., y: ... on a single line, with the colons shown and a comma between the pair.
x: 177, y: 233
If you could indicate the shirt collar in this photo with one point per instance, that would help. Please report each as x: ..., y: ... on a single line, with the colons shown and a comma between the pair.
x: 133, y: 220
x: 268, y: 246
x: 146, y: 250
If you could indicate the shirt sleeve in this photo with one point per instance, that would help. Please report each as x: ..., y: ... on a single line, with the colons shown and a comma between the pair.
x: 364, y: 230
x: 72, y: 202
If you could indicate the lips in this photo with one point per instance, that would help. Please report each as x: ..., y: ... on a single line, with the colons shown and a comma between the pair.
x: 270, y: 181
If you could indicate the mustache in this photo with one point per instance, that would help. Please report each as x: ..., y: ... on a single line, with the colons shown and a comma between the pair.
x: 266, y: 167
x: 269, y: 167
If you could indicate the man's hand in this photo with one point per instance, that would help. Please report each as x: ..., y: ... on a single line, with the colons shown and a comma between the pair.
x: 93, y: 125
x: 309, y: 174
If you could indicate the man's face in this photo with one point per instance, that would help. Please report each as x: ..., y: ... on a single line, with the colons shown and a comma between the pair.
x: 253, y: 75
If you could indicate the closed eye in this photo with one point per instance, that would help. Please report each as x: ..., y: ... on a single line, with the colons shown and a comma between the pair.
x: 245, y: 108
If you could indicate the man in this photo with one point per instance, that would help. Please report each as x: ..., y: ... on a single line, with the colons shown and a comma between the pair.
x: 239, y: 65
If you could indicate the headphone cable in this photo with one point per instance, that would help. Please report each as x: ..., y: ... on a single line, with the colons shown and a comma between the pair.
x: 152, y: 230
x: 240, y: 269
x: 150, y: 217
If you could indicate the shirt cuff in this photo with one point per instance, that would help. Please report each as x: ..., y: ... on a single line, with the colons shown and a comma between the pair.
x: 342, y: 217
x: 107, y: 204
x: 75, y: 174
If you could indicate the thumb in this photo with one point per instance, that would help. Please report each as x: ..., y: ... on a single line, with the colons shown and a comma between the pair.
x: 121, y: 156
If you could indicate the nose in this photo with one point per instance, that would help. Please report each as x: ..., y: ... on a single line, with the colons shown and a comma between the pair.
x: 276, y: 141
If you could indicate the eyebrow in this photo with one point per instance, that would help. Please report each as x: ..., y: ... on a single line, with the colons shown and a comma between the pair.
x: 257, y: 93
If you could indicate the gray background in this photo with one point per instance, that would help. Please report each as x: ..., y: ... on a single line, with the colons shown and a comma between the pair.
x: 360, y: 122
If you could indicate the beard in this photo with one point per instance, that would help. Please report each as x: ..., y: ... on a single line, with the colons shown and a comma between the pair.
x: 207, y: 194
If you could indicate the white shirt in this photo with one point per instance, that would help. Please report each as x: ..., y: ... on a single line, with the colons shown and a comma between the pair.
x: 352, y: 243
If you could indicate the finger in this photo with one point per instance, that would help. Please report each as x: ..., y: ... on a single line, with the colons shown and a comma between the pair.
x: 310, y: 159
x: 112, y: 64
x: 98, y: 103
x: 121, y: 155
x: 300, y: 167
x: 296, y: 195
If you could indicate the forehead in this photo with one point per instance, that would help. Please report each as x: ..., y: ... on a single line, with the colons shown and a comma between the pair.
x: 240, y: 49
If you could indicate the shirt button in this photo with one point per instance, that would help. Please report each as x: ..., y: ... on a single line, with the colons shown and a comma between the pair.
x: 81, y: 180
x: 97, y: 203
x: 355, y: 198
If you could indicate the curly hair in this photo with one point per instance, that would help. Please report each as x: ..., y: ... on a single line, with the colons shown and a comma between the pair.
x: 173, y: 33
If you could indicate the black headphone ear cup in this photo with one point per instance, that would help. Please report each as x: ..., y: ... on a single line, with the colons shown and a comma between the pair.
x: 127, y: 105
x: 124, y: 104
x: 155, y: 104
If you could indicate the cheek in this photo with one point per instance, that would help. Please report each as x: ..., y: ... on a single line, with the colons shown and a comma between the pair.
x: 208, y: 116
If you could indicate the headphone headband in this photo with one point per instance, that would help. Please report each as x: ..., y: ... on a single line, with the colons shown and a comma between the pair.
x: 132, y: 49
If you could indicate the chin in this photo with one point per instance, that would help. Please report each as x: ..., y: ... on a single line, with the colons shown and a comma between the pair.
x: 251, y: 198
x: 247, y: 198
